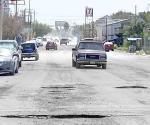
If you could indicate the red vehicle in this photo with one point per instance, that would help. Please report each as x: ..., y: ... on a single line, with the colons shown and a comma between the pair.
x: 51, y: 45
x: 109, y: 46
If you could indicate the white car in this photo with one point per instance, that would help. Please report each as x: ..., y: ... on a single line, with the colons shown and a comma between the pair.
x: 39, y: 41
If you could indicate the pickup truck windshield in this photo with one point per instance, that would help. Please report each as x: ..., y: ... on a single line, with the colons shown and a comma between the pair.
x: 90, y: 46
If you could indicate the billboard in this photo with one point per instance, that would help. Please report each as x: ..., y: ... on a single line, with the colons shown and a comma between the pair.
x: 61, y: 25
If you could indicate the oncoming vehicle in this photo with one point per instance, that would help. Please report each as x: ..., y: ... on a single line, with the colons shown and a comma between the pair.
x: 64, y: 41
x: 12, y: 45
x: 9, y: 61
x: 51, y: 45
x: 29, y: 50
x: 39, y: 41
x: 88, y: 52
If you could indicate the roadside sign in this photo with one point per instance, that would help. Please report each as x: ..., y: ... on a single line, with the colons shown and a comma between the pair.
x: 89, y: 12
x: 5, y: 3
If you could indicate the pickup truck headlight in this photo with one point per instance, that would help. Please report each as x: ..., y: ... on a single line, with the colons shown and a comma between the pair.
x: 81, y: 56
x: 104, y: 56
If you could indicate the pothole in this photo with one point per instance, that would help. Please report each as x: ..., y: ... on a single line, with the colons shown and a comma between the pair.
x: 130, y: 87
x: 56, y: 116
x: 59, y: 87
x: 78, y: 116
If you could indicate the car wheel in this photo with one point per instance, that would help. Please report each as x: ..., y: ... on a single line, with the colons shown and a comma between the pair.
x: 20, y: 63
x: 16, y: 71
x: 98, y: 65
x: 13, y: 71
x: 36, y: 58
x: 73, y: 63
x: 103, y: 66
x: 77, y: 65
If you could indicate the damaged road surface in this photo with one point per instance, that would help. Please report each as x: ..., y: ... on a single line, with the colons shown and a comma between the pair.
x: 51, y: 92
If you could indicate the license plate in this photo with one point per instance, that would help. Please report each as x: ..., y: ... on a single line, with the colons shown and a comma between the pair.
x: 92, y: 62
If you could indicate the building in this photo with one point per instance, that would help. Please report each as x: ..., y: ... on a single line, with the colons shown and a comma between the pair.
x: 111, y: 29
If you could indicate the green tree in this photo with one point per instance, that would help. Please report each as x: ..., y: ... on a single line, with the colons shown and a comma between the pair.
x: 41, y: 29
x: 122, y: 15
x: 145, y: 16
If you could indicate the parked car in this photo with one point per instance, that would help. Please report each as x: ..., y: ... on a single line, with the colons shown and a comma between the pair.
x: 13, y: 45
x: 89, y: 52
x: 29, y: 50
x: 51, y: 45
x: 64, y: 41
x: 109, y: 46
x: 9, y: 61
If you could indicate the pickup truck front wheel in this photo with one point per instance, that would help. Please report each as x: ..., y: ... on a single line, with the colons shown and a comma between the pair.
x: 104, y: 66
x: 77, y: 65
x: 73, y: 63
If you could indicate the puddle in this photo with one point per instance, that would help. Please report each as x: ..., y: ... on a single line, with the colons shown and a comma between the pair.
x: 130, y: 87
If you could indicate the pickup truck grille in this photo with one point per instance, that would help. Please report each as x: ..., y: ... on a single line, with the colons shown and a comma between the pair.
x: 92, y: 56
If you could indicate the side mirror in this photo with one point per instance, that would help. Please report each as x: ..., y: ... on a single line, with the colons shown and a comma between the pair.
x: 20, y: 47
x: 74, y: 49
x: 15, y: 54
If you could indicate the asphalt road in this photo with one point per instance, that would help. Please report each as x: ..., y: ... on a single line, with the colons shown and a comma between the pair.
x: 51, y: 92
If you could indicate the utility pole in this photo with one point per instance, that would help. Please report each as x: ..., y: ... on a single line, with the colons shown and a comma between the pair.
x: 1, y: 19
x: 135, y: 15
x: 30, y: 19
x: 106, y: 29
x: 30, y: 13
x: 16, y: 8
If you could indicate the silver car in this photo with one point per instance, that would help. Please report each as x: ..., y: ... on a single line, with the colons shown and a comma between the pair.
x: 13, y: 45
x: 9, y: 61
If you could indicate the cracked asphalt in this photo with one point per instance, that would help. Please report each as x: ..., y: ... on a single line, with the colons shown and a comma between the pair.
x: 51, y: 92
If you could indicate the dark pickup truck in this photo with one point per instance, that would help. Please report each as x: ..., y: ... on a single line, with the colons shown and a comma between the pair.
x: 89, y: 53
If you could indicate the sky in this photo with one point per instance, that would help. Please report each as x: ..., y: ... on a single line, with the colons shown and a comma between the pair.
x: 47, y: 11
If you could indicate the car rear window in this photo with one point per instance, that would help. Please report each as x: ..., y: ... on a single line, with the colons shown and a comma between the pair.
x: 28, y: 45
